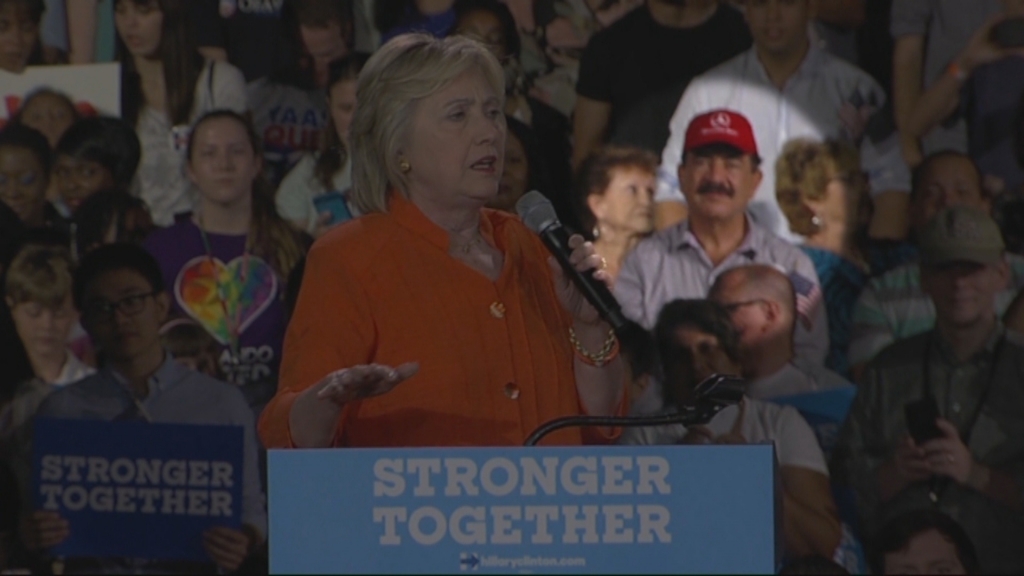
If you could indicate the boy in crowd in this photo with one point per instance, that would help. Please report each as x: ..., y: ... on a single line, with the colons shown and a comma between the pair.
x: 119, y: 290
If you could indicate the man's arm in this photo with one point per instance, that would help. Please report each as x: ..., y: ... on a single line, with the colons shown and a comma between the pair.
x: 810, y: 520
x: 909, y: 23
x: 943, y: 97
x: 997, y: 485
x: 669, y: 213
x: 907, y: 81
x: 591, y: 119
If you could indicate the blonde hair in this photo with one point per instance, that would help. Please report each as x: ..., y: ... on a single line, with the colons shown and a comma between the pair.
x: 803, y: 172
x: 405, y: 70
x: 41, y: 275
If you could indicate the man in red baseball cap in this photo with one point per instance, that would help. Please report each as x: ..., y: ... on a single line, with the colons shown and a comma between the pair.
x: 719, y: 175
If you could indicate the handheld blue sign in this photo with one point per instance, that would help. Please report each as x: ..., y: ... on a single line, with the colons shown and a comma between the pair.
x: 137, y: 489
x: 614, y: 509
x: 825, y: 411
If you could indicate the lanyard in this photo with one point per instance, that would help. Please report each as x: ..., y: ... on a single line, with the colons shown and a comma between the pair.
x: 233, y: 322
x: 965, y: 434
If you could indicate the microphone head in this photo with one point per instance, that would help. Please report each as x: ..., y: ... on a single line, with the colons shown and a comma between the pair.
x: 536, y: 211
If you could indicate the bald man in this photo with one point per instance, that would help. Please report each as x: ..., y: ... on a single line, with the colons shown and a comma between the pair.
x: 762, y: 304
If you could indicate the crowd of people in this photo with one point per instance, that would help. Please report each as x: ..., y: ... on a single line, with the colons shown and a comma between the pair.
x: 304, y: 204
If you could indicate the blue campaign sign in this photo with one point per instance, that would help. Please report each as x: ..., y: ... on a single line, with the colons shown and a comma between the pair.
x: 137, y: 489
x: 825, y: 412
x: 613, y: 509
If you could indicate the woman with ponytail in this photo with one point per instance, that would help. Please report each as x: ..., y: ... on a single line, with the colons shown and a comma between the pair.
x: 226, y: 264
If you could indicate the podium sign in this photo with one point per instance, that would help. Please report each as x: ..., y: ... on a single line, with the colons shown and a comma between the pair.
x: 614, y: 509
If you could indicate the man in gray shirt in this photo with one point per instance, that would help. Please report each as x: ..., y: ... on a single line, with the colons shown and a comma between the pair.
x: 119, y: 291
x: 719, y: 174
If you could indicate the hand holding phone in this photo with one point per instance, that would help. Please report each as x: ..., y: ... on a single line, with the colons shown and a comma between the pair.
x: 333, y: 203
x: 921, y: 417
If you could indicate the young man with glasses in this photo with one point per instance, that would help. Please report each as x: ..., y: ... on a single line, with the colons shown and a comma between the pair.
x: 119, y: 291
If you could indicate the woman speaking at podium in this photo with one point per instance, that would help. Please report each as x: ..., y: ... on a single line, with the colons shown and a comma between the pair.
x: 432, y: 321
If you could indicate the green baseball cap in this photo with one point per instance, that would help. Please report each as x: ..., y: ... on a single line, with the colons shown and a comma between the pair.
x: 961, y: 234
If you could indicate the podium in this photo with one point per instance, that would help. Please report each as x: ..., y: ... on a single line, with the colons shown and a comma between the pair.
x: 611, y: 509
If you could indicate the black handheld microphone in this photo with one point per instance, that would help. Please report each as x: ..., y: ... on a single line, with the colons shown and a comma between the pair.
x: 539, y: 215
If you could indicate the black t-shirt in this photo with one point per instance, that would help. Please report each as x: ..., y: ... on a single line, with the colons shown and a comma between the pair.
x: 642, y: 68
x: 251, y: 32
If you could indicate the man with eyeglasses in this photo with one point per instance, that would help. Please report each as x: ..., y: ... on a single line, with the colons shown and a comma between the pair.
x: 721, y: 172
x: 762, y: 304
x: 119, y: 290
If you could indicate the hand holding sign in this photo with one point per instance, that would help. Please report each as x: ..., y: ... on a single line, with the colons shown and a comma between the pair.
x: 226, y: 547
x: 43, y: 529
x: 364, y: 381
x: 159, y: 487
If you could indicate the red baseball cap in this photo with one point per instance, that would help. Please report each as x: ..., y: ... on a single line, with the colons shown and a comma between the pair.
x: 721, y: 127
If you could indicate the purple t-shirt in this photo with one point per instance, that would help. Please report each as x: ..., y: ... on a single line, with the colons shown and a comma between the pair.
x: 251, y: 289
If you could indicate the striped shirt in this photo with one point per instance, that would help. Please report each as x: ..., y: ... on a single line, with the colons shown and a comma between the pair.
x: 842, y: 282
x: 893, y: 307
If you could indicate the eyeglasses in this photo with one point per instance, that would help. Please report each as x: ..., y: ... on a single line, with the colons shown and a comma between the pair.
x: 129, y: 306
x: 732, y: 307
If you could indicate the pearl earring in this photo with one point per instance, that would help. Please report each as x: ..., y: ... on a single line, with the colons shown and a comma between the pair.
x: 404, y: 166
x: 817, y: 222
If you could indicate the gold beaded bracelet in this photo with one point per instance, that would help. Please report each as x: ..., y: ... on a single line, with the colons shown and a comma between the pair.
x: 606, y: 354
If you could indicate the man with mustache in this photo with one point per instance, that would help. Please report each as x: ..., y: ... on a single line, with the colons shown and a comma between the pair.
x: 791, y: 88
x: 720, y: 172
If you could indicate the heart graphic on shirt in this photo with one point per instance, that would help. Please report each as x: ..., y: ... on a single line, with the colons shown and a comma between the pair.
x: 246, y: 290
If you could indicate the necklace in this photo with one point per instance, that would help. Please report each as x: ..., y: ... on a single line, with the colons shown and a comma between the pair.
x: 232, y: 322
x: 464, y: 246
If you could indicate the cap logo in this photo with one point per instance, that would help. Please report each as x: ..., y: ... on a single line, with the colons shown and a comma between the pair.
x: 722, y: 121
